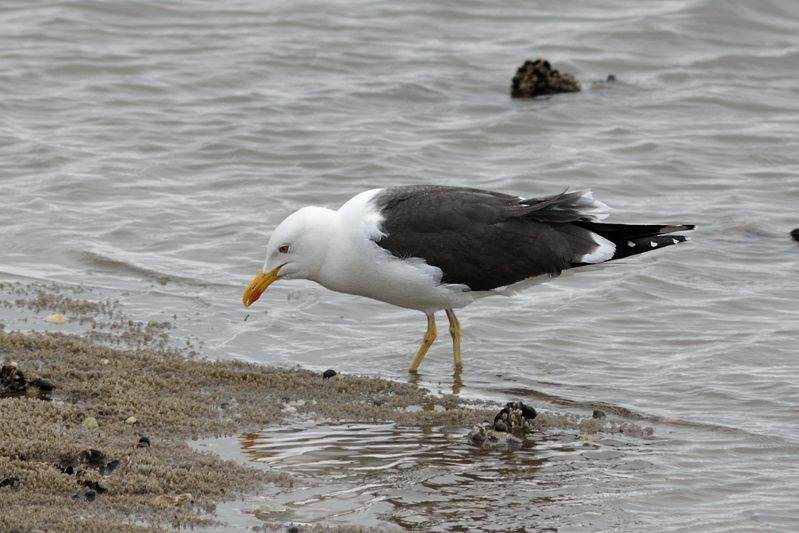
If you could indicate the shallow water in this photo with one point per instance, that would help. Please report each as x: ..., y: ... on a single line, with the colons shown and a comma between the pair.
x: 147, y: 149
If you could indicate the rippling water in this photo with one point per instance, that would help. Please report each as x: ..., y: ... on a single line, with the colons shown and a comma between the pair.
x: 148, y: 148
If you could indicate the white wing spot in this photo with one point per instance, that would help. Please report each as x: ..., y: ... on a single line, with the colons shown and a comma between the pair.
x: 631, y: 244
x: 675, y: 241
x: 653, y: 244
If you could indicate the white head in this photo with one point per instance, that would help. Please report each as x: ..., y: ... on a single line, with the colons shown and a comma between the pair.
x: 296, y: 250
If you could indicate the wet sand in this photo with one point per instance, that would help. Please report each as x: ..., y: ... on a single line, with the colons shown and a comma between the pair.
x: 106, y: 450
x: 97, y: 425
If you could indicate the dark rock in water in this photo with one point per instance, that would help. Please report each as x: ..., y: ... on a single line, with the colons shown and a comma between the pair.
x: 329, y: 373
x: 514, y: 415
x: 598, y: 414
x: 535, y: 78
x: 487, y: 438
x: 500, y: 425
x: 611, y: 78
x: 11, y: 481
x: 795, y: 234
x: 509, y: 420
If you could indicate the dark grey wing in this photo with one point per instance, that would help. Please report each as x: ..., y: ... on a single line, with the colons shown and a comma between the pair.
x: 483, y: 239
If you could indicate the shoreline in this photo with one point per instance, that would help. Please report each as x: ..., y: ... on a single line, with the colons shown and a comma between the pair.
x: 167, y: 399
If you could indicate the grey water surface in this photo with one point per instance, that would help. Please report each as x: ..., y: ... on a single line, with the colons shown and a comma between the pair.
x: 148, y: 148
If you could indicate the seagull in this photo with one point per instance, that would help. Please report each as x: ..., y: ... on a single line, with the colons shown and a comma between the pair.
x: 433, y: 247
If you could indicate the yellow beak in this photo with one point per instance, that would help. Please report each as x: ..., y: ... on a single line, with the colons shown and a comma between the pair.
x: 258, y: 285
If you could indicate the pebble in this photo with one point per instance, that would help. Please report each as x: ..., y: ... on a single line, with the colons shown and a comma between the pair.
x: 173, y: 500
x: 598, y: 414
x: 131, y: 420
x: 289, y: 410
x: 11, y: 481
x: 90, y: 423
x: 43, y: 384
x: 262, y: 508
x: 56, y: 318
x: 109, y: 467
x: 144, y: 442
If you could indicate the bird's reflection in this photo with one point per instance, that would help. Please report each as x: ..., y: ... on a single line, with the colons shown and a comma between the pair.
x: 414, y: 378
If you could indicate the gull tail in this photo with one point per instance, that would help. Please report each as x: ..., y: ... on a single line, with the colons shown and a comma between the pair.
x: 632, y: 239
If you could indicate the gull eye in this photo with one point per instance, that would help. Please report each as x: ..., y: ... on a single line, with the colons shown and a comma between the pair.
x: 283, y: 248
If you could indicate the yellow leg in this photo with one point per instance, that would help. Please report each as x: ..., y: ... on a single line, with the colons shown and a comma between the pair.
x: 429, y: 337
x: 455, y: 331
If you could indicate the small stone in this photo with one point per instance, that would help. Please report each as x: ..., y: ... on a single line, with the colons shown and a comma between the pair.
x: 293, y: 529
x: 91, y: 456
x: 611, y: 78
x: 90, y: 423
x: 131, y: 420
x: 329, y: 373
x: 598, y: 414
x: 22, y: 456
x: 144, y: 442
x: 56, y: 318
x: 795, y: 234
x: 104, y: 361
x: 109, y: 467
x: 262, y: 508
x: 166, y: 500
x: 11, y: 481
x: 43, y: 384
x: 290, y: 409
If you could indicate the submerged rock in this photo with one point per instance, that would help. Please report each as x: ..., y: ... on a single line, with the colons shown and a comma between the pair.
x: 509, y: 422
x: 488, y: 438
x: 536, y: 78
x: 513, y: 417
